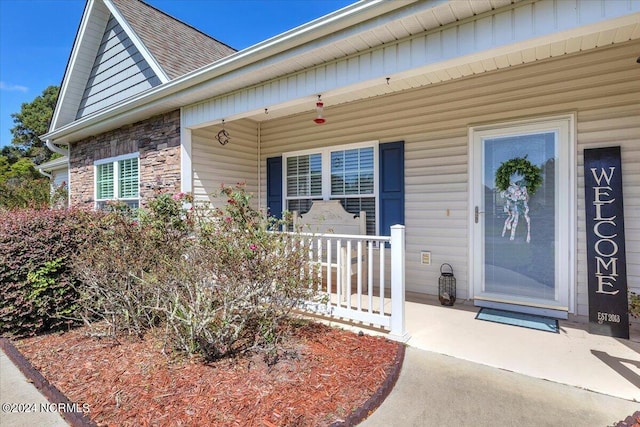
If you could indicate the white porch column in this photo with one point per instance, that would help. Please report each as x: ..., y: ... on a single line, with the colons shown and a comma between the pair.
x: 398, y: 331
x: 186, y: 169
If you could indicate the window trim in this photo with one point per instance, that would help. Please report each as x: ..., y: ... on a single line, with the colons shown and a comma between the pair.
x: 325, y: 153
x: 116, y: 177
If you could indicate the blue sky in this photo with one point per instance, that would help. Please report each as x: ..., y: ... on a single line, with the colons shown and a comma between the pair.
x: 36, y: 36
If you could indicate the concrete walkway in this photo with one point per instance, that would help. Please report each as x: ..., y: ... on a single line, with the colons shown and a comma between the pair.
x: 572, y: 357
x: 462, y: 371
x: 438, y: 390
x: 22, y: 404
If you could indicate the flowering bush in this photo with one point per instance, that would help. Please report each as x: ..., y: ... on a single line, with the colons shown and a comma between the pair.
x: 238, y: 282
x: 219, y: 280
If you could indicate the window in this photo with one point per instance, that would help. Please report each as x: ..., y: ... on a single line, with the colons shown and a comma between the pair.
x: 347, y: 174
x: 304, y: 181
x: 117, y: 179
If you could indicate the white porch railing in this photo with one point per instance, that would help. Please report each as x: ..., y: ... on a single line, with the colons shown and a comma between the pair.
x: 356, y: 280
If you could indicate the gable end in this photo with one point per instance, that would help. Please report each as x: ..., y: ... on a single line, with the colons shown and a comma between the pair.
x: 119, y: 71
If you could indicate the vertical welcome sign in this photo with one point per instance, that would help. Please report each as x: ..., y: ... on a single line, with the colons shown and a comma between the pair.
x: 606, y: 259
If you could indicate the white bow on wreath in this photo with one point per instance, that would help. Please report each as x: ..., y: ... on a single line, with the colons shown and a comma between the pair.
x: 517, y: 179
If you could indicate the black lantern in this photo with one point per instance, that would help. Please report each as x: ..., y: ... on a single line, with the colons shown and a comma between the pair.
x: 447, y: 285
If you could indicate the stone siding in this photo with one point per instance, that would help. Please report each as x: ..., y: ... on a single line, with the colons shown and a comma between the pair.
x: 157, y: 140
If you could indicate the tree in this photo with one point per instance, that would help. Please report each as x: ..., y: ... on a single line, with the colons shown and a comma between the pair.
x: 12, y: 153
x: 21, y: 185
x: 22, y: 168
x: 32, y: 121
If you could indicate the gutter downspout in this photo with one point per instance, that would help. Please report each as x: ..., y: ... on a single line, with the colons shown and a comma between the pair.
x: 51, y: 146
x: 48, y: 175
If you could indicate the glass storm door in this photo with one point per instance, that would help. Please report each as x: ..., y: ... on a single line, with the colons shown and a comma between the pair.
x: 521, y: 217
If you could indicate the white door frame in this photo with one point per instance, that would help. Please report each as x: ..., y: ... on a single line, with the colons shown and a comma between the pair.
x: 566, y: 246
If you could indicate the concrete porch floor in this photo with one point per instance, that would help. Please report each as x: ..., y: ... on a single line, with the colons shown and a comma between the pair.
x: 573, y: 357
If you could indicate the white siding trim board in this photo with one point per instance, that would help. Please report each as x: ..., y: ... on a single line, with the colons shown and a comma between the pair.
x: 186, y: 163
x: 499, y: 34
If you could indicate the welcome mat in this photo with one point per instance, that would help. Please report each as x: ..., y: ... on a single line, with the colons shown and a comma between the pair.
x: 524, y: 320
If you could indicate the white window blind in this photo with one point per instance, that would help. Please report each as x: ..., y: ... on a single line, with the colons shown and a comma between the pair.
x: 352, y: 172
x: 304, y: 175
x: 128, y: 178
x: 348, y: 175
x: 104, y: 181
x: 118, y: 178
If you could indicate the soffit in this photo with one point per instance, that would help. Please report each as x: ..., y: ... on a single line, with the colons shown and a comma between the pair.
x: 406, y: 18
x: 443, y: 73
x: 396, y: 27
x: 469, y: 22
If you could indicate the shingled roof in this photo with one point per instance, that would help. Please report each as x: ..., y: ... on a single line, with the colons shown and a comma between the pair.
x: 177, y: 47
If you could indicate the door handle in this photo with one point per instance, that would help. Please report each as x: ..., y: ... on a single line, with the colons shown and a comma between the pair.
x: 477, y: 213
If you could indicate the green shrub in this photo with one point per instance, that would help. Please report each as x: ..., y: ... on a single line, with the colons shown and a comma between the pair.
x: 25, y: 192
x: 37, y: 284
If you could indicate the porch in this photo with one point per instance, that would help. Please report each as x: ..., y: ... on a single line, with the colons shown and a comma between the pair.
x: 572, y: 356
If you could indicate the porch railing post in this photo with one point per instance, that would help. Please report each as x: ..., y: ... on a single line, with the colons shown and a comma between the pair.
x: 398, y: 331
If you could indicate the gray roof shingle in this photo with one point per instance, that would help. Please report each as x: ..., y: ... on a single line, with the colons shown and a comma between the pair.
x: 177, y: 47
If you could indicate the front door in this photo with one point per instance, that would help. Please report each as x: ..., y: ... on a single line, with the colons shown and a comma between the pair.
x: 522, y: 216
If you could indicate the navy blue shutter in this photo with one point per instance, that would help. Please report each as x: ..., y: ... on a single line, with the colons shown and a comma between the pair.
x: 391, y: 183
x: 274, y: 187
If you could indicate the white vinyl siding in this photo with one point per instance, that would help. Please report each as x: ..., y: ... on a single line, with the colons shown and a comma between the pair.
x: 422, y: 49
x: 600, y: 86
x: 215, y: 165
x: 60, y: 178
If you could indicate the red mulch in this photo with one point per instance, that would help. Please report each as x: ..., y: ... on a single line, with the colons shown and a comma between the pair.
x: 322, y: 376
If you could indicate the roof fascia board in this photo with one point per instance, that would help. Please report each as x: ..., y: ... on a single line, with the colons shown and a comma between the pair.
x: 336, y: 21
x: 151, y: 60
x: 203, y: 79
x: 56, y: 164
x: 86, y: 14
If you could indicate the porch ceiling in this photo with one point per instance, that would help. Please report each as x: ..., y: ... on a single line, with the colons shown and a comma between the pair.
x: 458, y: 68
x: 484, y: 38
